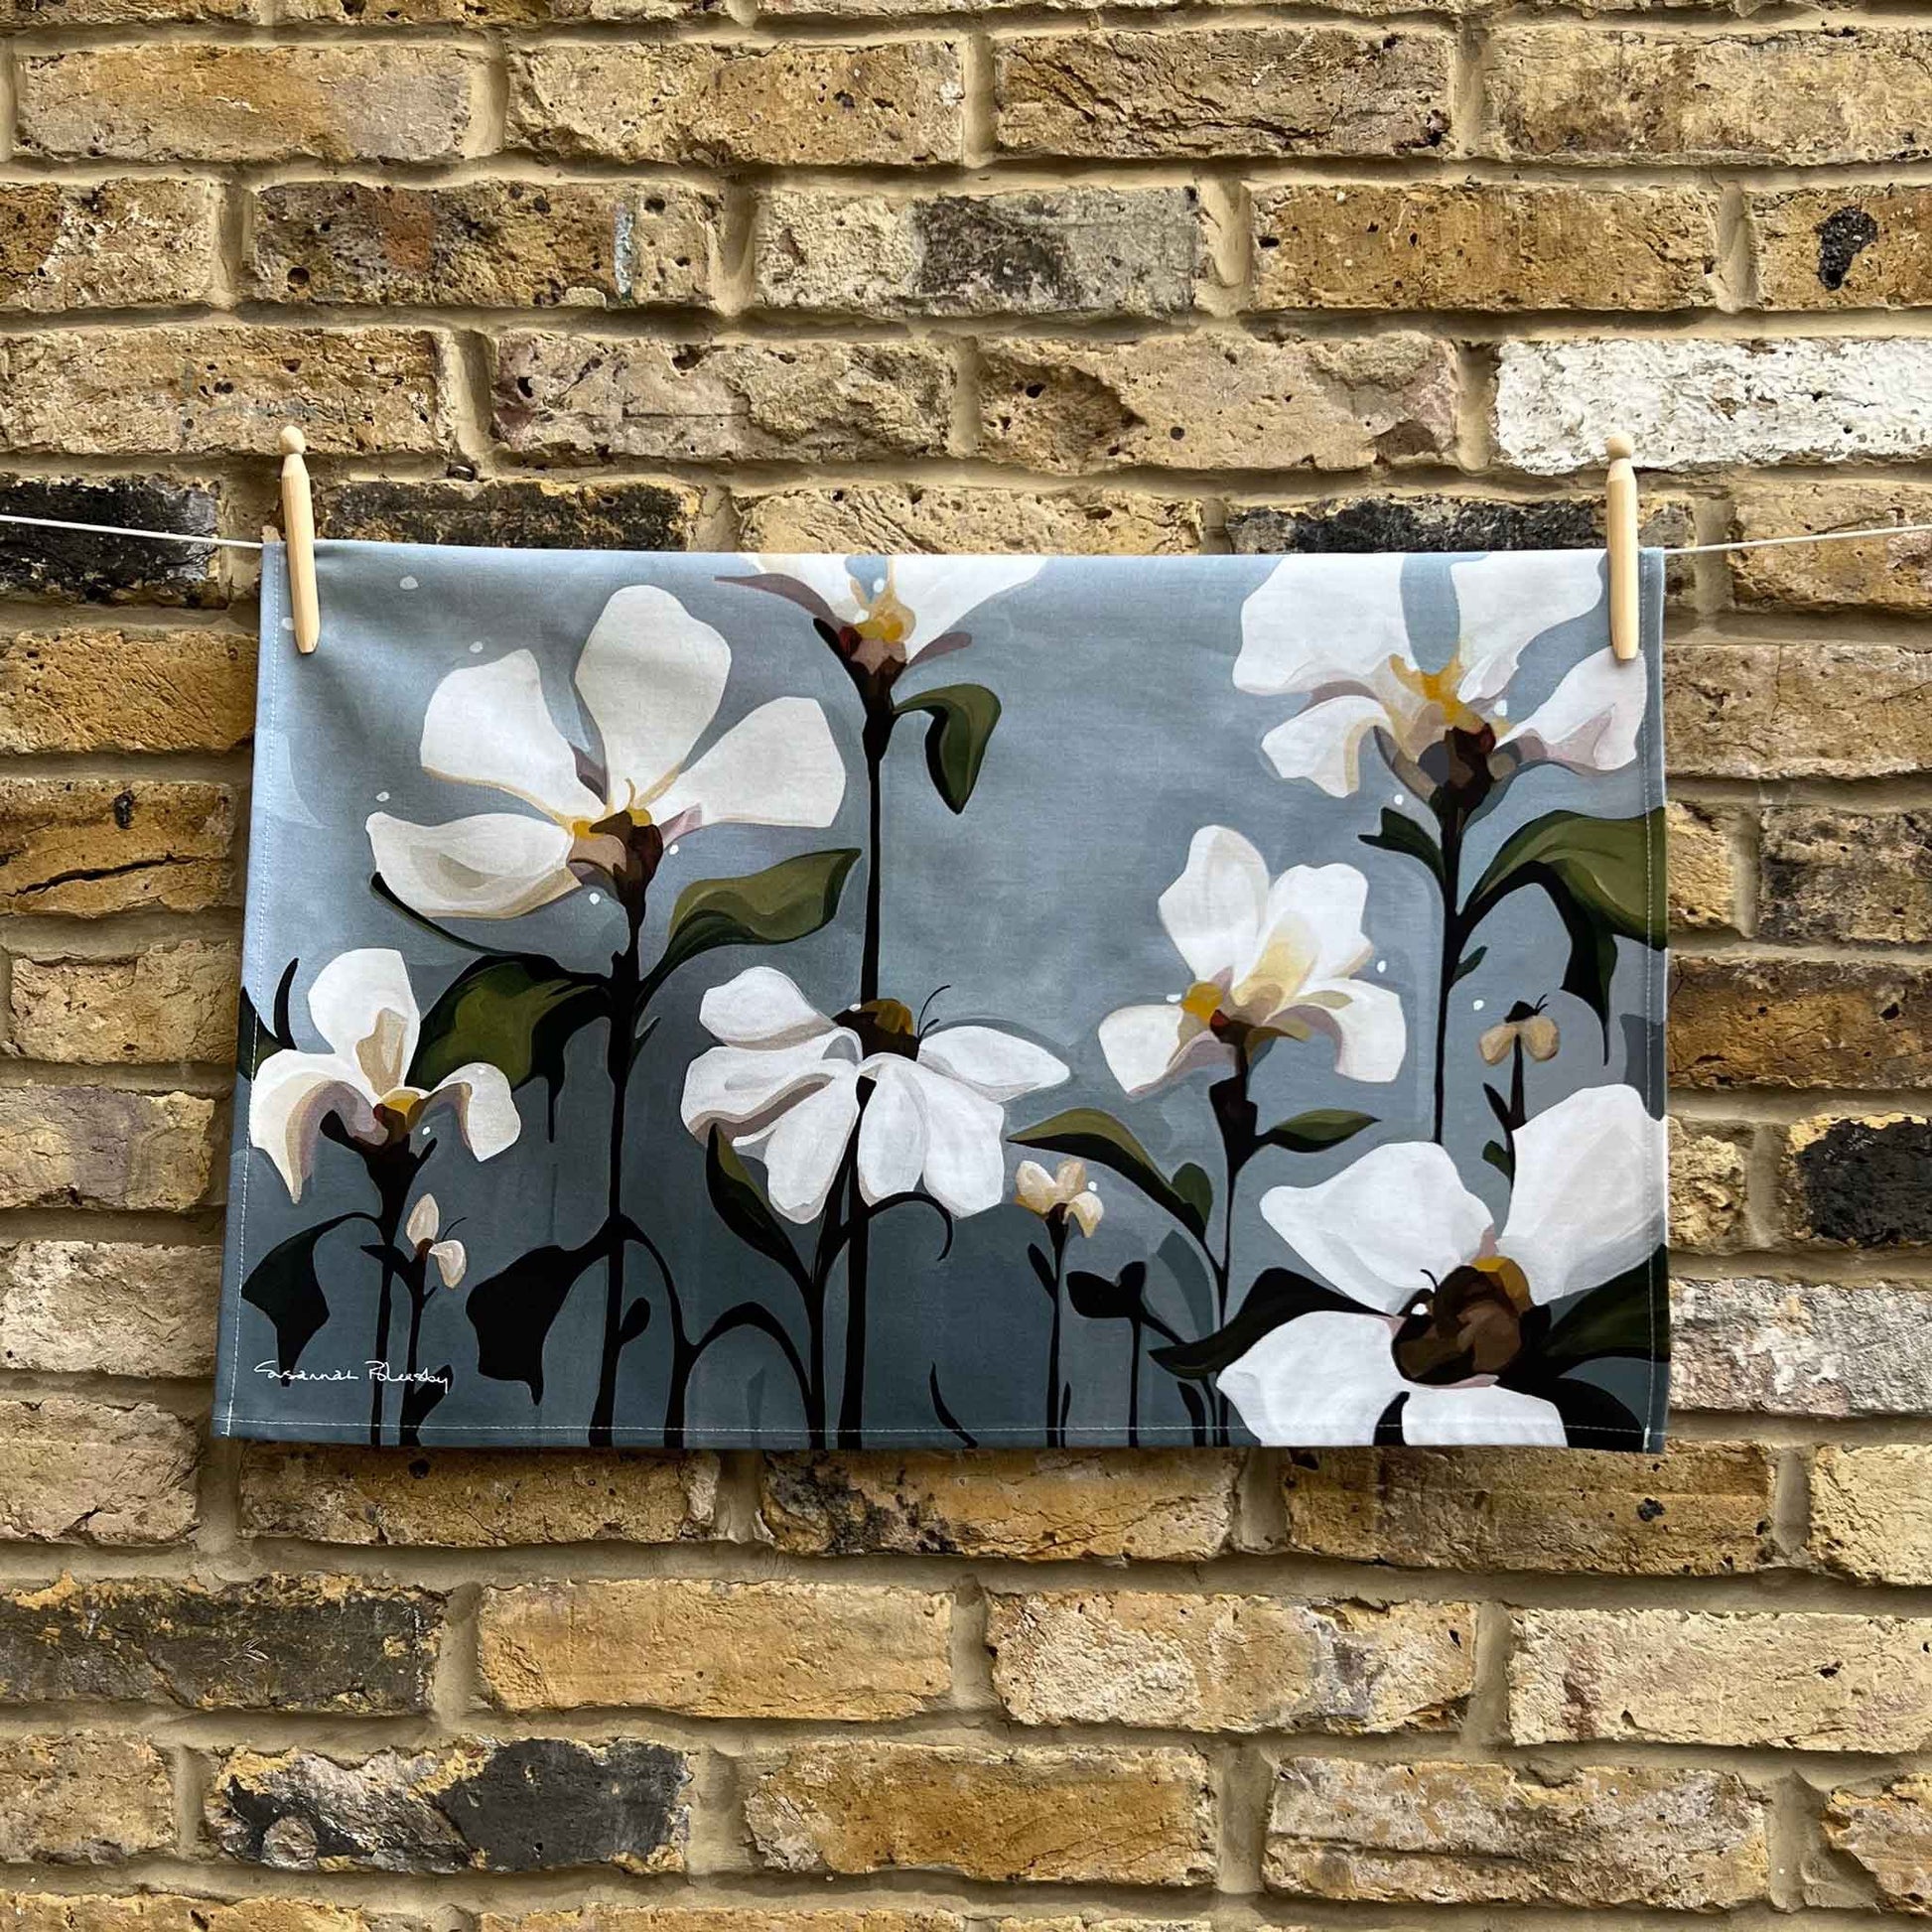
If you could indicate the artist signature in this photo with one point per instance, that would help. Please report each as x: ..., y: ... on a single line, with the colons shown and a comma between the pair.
x: 366, y: 1372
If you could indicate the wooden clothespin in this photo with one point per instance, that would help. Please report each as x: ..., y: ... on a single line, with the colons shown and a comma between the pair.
x: 299, y: 520
x: 1621, y: 540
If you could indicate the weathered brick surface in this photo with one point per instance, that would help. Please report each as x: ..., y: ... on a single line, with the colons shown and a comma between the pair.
x: 1077, y: 250
x: 83, y: 1797
x: 1886, y: 1831
x: 118, y: 244
x: 533, y: 1804
x: 111, y: 1307
x: 1841, y: 248
x: 170, y: 1003
x: 286, y: 1643
x: 1871, y: 1511
x: 95, y: 689
x: 1834, y: 711
x: 1483, y: 246
x: 1799, y: 1680
x: 1884, y: 574
x: 1247, y: 90
x: 1710, y: 1189
x: 23, y: 1911
x: 1795, y: 1022
x: 542, y: 514
x: 1856, y: 876
x: 73, y: 1470
x: 1229, y: 1663
x: 222, y: 390
x: 1210, y: 401
x: 1172, y: 1505
x: 577, y: 395
x: 103, y: 1147
x: 88, y: 846
x: 493, y: 244
x: 717, y: 1650
x: 1789, y: 99
x: 1856, y: 1181
x: 1701, y: 1509
x: 1470, y: 1833
x: 181, y: 102
x: 1798, y: 1348
x: 1702, y: 868
x: 727, y: 1918
x: 465, y: 1499
x: 1120, y: 1817
x: 891, y: 103
x: 74, y: 566
x: 862, y: 519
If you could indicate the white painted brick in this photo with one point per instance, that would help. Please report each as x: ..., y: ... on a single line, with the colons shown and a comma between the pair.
x: 1691, y: 404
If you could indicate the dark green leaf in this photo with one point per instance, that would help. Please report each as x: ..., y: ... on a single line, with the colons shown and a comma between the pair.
x: 1277, y: 1295
x: 1193, y: 1185
x: 743, y: 1209
x: 419, y: 1398
x: 1592, y: 1417
x: 516, y: 1013
x: 1401, y: 833
x: 1090, y: 1135
x: 255, y: 1039
x: 513, y: 1309
x: 1100, y: 1298
x: 1043, y: 1270
x: 1499, y: 1107
x: 1470, y: 962
x: 1612, y: 868
x: 1498, y: 1158
x: 284, y: 1287
x: 783, y: 902
x: 1320, y: 1127
x: 1629, y: 1315
x: 963, y: 716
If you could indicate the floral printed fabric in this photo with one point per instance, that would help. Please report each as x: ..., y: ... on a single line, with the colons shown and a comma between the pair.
x: 826, y: 1001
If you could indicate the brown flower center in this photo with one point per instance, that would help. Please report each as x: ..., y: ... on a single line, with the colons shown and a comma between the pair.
x: 1473, y: 1324
x: 883, y: 1027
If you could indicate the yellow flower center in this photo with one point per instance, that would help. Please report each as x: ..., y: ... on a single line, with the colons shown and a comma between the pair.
x: 1202, y: 1000
x: 1437, y: 688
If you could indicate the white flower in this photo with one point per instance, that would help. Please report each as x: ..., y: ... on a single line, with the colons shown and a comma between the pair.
x: 652, y: 678
x: 425, y: 1222
x: 362, y: 1007
x: 904, y: 609
x: 785, y: 1087
x: 1276, y: 959
x: 1441, y: 1289
x: 1332, y: 629
x: 1064, y: 1192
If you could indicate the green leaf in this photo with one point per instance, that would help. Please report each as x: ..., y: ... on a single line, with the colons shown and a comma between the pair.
x: 1320, y: 1127
x: 743, y: 1209
x: 517, y: 1013
x: 284, y: 1287
x: 1194, y: 1187
x: 1100, y: 1298
x: 1090, y: 1135
x: 1401, y: 833
x: 785, y: 901
x: 1470, y: 962
x: 1629, y: 1315
x: 1277, y: 1295
x: 963, y: 716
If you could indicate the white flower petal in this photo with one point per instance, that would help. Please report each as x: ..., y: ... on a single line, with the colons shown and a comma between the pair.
x: 291, y: 1095
x: 1145, y: 1044
x: 1034, y: 1188
x: 965, y: 1158
x: 1320, y: 1380
x: 451, y: 1261
x: 363, y: 1006
x: 489, y: 726
x: 1481, y: 1415
x: 829, y: 579
x: 1088, y: 1211
x: 1323, y: 624
x: 651, y: 676
x: 776, y: 766
x: 892, y: 1131
x: 485, y: 1112
x: 1323, y: 742
x: 494, y: 866
x: 1508, y: 597
x: 1386, y: 1226
x: 941, y: 591
x: 741, y: 1086
x: 1314, y: 914
x: 424, y: 1220
x: 761, y: 1007
x: 1584, y: 1208
x: 991, y: 1062
x: 1591, y: 721
x: 1368, y: 1025
x: 802, y: 1149
x: 1213, y: 911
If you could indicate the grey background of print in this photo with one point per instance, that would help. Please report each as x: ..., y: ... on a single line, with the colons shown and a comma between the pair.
x: 1122, y: 732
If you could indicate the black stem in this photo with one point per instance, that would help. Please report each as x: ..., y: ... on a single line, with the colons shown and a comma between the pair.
x: 1134, y: 1382
x: 624, y: 1007
x: 416, y: 1280
x: 1234, y: 1115
x: 392, y: 1168
x: 1055, y: 1429
x: 1455, y: 936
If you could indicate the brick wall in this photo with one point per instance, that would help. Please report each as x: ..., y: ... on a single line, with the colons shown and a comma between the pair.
x: 875, y: 274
